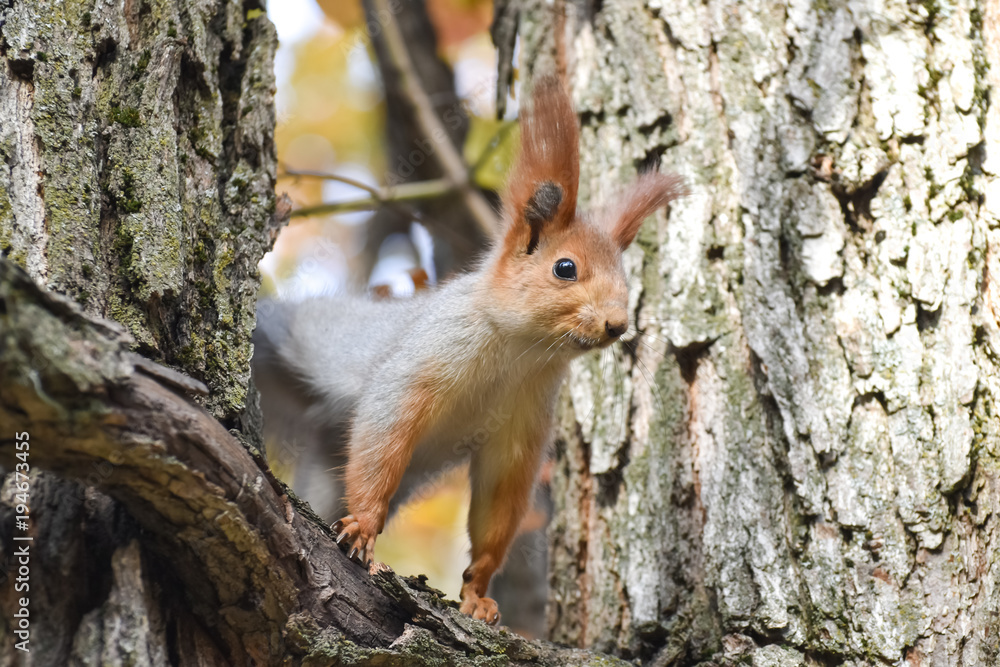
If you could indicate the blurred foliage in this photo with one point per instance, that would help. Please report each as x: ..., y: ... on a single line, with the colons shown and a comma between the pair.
x: 490, y: 147
x: 331, y: 115
x: 347, y: 14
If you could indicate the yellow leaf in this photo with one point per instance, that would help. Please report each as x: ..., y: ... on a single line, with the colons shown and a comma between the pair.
x: 491, y: 146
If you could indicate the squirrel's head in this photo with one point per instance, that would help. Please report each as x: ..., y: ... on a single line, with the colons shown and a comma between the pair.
x: 558, y: 271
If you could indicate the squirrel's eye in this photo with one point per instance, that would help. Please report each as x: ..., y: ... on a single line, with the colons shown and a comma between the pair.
x: 564, y: 269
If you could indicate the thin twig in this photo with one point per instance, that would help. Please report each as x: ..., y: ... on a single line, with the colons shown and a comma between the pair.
x: 397, y: 194
x: 391, y: 197
x: 401, y: 193
x: 446, y: 155
x: 297, y: 173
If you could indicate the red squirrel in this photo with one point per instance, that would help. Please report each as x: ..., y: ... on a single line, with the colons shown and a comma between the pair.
x: 418, y: 382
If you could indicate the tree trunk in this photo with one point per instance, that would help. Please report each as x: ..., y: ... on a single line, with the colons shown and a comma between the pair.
x: 796, y: 461
x: 137, y: 178
x: 139, y: 170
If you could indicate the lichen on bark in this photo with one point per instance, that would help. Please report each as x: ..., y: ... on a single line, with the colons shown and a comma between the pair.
x: 139, y: 170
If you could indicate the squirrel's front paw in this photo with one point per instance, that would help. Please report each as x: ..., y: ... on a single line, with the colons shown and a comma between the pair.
x: 351, y: 536
x: 483, y: 609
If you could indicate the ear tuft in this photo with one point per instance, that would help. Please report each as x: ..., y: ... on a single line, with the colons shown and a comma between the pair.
x: 541, y: 192
x: 543, y: 203
x: 636, y: 202
x: 541, y: 208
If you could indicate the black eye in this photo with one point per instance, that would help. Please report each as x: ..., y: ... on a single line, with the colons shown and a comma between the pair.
x: 564, y: 269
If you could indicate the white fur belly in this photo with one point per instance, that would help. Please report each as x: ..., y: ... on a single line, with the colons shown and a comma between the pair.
x: 449, y: 445
x: 483, y: 409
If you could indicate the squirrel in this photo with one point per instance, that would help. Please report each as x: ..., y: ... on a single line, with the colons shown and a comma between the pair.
x: 410, y: 381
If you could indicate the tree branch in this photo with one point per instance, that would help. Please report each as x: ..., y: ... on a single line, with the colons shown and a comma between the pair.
x: 403, y: 192
x: 326, y: 176
x: 256, y: 564
x: 503, y: 30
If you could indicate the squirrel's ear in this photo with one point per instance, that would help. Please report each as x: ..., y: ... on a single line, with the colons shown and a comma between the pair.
x: 638, y: 201
x: 541, y: 190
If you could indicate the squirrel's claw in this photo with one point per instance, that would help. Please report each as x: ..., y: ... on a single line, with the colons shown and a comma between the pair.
x: 359, y: 548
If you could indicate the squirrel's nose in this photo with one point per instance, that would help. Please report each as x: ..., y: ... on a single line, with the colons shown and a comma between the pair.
x: 615, y: 329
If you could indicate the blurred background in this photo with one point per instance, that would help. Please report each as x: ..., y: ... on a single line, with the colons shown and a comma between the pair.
x: 347, y: 139
x: 332, y: 120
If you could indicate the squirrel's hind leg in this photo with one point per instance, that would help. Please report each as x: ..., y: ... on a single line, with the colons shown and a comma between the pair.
x: 501, y: 492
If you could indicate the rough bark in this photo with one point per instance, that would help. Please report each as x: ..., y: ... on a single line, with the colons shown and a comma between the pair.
x: 138, y: 170
x: 796, y: 461
x: 137, y: 178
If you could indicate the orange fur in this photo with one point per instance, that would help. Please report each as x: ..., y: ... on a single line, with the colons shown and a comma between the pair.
x: 599, y: 295
x: 538, y: 235
x: 495, y: 515
x: 635, y: 203
x: 375, y: 469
